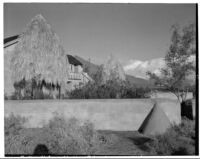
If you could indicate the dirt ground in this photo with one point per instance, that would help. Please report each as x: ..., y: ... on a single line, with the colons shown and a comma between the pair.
x: 124, y: 143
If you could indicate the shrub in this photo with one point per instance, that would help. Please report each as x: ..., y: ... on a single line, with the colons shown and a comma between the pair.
x: 111, y: 89
x: 12, y: 129
x: 71, y: 137
x: 59, y: 136
x: 13, y: 124
x: 178, y: 140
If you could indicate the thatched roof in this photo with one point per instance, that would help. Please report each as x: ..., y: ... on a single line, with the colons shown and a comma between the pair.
x: 39, y: 54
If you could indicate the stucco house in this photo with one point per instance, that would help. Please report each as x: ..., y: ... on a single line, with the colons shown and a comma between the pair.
x: 77, y: 77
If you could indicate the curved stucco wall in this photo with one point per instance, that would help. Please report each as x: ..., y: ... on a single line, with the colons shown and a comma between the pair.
x: 105, y: 114
x: 172, y: 109
x: 168, y: 95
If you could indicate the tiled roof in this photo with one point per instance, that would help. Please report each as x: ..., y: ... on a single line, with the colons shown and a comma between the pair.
x: 6, y: 40
x: 72, y: 60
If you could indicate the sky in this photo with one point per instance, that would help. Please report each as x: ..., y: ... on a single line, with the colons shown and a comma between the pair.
x: 128, y: 31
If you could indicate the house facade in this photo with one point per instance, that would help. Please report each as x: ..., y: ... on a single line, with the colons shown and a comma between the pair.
x: 77, y: 77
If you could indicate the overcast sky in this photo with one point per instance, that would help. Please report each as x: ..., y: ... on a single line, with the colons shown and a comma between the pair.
x: 128, y: 31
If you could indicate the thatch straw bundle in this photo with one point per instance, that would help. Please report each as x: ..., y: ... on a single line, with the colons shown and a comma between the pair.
x: 39, y: 54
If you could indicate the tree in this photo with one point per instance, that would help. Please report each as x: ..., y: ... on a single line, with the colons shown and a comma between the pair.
x: 113, y: 70
x: 98, y: 76
x: 178, y: 60
x: 39, y: 55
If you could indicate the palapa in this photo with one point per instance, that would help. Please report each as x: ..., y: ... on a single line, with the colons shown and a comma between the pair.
x: 40, y: 54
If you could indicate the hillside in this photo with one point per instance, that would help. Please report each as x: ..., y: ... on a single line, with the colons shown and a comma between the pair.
x: 139, y: 81
x: 92, y: 69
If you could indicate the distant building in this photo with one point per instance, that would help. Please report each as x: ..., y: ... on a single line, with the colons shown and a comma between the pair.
x: 77, y: 77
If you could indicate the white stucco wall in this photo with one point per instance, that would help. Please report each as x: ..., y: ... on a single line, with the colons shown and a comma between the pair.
x: 105, y: 114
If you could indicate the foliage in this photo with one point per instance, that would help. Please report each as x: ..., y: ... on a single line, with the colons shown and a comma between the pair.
x: 111, y: 89
x: 178, y: 140
x: 178, y: 61
x: 13, y: 124
x: 112, y: 70
x: 67, y: 137
x: 192, y: 89
x: 108, y: 87
x: 98, y: 76
x: 61, y: 137
x: 71, y: 137
x: 86, y: 69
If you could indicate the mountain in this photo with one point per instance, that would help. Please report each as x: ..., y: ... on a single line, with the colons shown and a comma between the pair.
x: 92, y: 69
x: 140, y: 82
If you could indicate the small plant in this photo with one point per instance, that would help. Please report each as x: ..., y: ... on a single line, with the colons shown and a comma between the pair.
x: 13, y: 124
